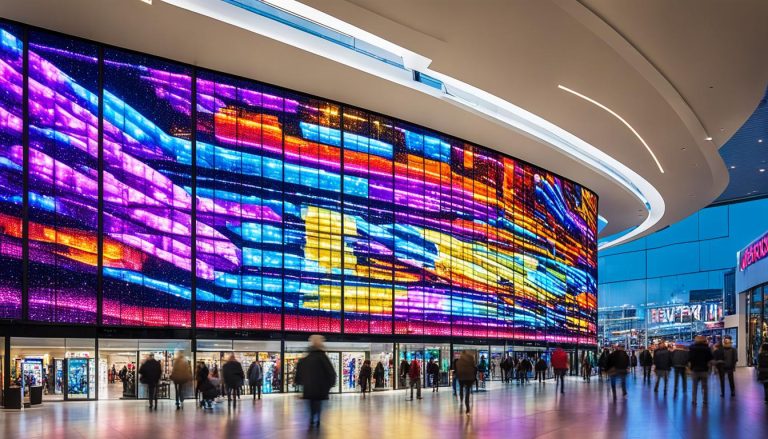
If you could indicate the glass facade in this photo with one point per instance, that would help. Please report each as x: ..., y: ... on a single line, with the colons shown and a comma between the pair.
x: 668, y: 284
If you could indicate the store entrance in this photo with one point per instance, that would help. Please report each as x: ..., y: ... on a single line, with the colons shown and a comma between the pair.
x: 214, y: 353
x: 423, y: 354
x: 53, y: 369
x: 121, y: 359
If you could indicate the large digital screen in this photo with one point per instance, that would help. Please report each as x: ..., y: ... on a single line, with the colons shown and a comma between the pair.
x: 275, y: 210
x: 11, y: 170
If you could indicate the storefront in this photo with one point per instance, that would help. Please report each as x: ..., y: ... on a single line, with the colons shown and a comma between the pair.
x: 752, y: 304
x: 214, y: 353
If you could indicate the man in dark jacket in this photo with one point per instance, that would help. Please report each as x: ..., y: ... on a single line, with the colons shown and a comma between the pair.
x: 433, y: 370
x: 725, y: 360
x: 404, y: 372
x: 680, y: 363
x: 541, y: 369
x: 662, y: 360
x: 255, y: 378
x: 466, y: 373
x: 316, y: 375
x: 601, y: 363
x: 700, y: 358
x: 646, y: 362
x: 233, y: 376
x: 617, y: 364
x: 150, y: 373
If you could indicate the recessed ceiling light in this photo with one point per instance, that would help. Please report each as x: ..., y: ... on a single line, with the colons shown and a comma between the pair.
x: 733, y: 167
x: 708, y: 138
x: 759, y: 140
x: 149, y: 2
x: 762, y: 169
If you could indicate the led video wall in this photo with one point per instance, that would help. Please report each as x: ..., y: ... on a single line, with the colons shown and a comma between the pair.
x: 269, y: 209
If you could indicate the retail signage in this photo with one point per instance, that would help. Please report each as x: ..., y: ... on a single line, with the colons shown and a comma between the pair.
x: 699, y: 312
x: 754, y: 252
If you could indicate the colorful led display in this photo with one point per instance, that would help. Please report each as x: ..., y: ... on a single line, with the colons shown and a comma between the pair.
x: 11, y: 170
x: 279, y: 211
x: 63, y: 179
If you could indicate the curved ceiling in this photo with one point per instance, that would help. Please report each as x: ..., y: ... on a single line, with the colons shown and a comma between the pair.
x: 656, y: 65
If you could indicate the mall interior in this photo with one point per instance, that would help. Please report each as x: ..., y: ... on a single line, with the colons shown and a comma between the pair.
x: 410, y: 179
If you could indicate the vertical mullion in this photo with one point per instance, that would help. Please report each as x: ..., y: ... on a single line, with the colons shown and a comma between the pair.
x: 193, y: 213
x: 25, y: 177
x: 100, y: 200
x: 341, y: 211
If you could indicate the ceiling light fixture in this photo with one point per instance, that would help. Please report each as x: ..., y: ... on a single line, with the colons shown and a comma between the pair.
x: 759, y: 140
x: 762, y: 169
x: 621, y: 119
x: 733, y: 167
x: 309, y: 29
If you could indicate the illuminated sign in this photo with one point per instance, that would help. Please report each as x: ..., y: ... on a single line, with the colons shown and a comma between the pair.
x: 700, y: 312
x: 754, y: 252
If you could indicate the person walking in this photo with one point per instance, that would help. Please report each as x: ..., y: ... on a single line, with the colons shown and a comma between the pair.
x: 255, y: 379
x: 541, y: 369
x: 662, y: 362
x: 680, y: 365
x: 181, y: 374
x: 414, y: 378
x: 700, y: 359
x: 586, y: 367
x: 633, y: 362
x: 616, y: 365
x: 201, y: 376
x: 646, y: 362
x: 454, y: 379
x: 149, y: 374
x: 506, y: 367
x: 601, y: 363
x: 315, y: 374
x: 725, y: 360
x: 466, y: 373
x: 560, y: 365
x: 233, y: 376
x: 378, y: 375
x: 482, y: 370
x: 762, y: 369
x: 404, y: 372
x: 433, y: 370
x: 364, y: 378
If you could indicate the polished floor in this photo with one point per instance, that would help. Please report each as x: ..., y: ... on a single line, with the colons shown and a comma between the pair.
x: 504, y: 411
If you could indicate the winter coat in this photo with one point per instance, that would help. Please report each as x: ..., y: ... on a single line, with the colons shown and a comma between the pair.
x: 182, y: 371
x: 414, y: 370
x: 202, y: 374
x: 404, y: 368
x: 150, y: 372
x: 633, y: 360
x: 646, y: 359
x: 466, y: 371
x: 662, y: 359
x: 433, y: 368
x: 618, y: 361
x: 602, y: 362
x: 255, y: 374
x: 315, y: 373
x: 762, y: 367
x: 679, y: 358
x: 699, y: 356
x: 726, y: 359
x: 232, y: 373
x: 559, y: 359
x: 365, y: 374
x: 541, y: 365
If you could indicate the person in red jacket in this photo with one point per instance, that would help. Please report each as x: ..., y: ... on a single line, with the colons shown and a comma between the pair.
x: 560, y: 365
x: 414, y: 378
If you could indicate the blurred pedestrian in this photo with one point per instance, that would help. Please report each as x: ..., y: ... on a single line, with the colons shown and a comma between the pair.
x: 181, y: 374
x: 233, y: 376
x: 617, y: 364
x: 149, y: 374
x: 560, y: 365
x: 315, y: 374
x: 364, y: 378
x: 255, y: 379
x: 725, y: 360
x: 700, y: 359
x: 466, y: 372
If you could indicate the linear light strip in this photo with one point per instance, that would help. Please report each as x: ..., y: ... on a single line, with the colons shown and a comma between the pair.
x: 454, y: 91
x: 617, y: 116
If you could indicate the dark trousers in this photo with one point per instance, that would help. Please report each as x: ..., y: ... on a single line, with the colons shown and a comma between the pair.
x: 454, y: 384
x: 315, y: 406
x: 540, y: 375
x: 722, y: 374
x: 661, y: 374
x: 435, y: 381
x: 152, y: 394
x: 619, y: 376
x: 703, y: 378
x: 179, y: 388
x: 560, y: 379
x: 681, y: 375
x: 233, y: 394
x: 647, y: 374
x: 765, y: 388
x: 255, y: 389
x: 417, y: 384
x: 465, y: 390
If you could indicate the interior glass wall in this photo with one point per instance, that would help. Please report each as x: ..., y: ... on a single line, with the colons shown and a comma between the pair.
x: 214, y: 353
